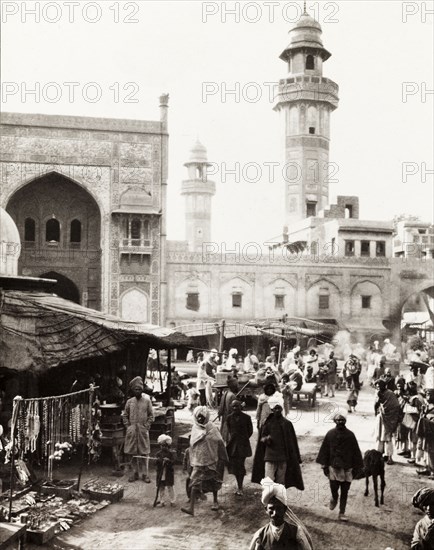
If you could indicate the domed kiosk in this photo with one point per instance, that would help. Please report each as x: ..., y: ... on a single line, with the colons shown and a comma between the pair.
x: 10, y: 245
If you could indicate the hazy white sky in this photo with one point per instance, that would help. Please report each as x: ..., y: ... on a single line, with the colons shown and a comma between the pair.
x: 376, y: 47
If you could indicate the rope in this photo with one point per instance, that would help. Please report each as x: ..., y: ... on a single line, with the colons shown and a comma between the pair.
x: 91, y: 389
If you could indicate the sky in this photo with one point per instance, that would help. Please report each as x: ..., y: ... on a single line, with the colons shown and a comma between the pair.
x: 382, y: 60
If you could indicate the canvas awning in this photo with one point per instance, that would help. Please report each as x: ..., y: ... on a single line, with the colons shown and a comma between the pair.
x: 295, y: 325
x: 39, y: 330
x: 272, y: 328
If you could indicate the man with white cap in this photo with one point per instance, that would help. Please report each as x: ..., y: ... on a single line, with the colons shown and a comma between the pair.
x: 340, y: 458
x: 285, y: 530
x: 277, y: 454
x: 138, y: 417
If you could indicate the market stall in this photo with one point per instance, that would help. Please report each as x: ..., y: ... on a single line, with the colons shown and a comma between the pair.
x: 43, y: 430
x: 57, y: 344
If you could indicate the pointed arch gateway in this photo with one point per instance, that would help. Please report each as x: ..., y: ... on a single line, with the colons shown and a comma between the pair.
x: 64, y: 235
x: 64, y: 288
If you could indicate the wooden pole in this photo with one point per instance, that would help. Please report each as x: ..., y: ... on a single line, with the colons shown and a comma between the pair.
x: 159, y: 370
x: 89, y: 436
x: 222, y: 335
x: 169, y: 377
x: 12, y: 477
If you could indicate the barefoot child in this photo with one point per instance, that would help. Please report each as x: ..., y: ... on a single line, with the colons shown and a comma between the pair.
x: 165, y: 473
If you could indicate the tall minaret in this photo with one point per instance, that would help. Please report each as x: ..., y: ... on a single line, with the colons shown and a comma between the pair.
x: 305, y: 100
x: 198, y: 191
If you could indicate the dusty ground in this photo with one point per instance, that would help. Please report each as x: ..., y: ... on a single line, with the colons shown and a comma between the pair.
x: 134, y: 524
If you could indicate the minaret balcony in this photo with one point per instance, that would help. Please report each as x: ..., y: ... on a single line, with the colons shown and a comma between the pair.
x: 308, y: 88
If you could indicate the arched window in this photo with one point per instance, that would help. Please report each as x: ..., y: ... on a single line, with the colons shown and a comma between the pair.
x: 75, y: 233
x: 29, y: 230
x: 136, y: 226
x: 310, y: 62
x: 52, y: 230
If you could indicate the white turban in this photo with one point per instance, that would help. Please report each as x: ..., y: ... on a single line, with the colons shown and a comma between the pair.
x: 275, y: 399
x: 270, y: 490
x: 163, y: 438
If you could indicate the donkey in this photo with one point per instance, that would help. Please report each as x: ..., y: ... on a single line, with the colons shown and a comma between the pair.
x: 373, y: 465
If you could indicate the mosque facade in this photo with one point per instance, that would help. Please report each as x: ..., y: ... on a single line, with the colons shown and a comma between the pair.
x: 88, y: 197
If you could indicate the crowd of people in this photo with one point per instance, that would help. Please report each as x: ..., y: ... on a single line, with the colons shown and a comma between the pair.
x: 404, y: 423
x: 404, y: 420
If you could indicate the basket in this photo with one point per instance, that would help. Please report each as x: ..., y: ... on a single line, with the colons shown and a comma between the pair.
x: 99, y: 496
x: 61, y: 488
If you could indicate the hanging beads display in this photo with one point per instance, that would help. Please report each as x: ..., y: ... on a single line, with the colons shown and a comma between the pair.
x: 33, y: 425
x: 94, y: 433
x: 46, y: 424
x: 45, y: 429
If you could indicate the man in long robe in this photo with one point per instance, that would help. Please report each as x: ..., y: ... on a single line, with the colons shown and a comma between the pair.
x: 138, y: 417
x: 425, y: 432
x: 277, y: 454
x: 340, y: 458
x: 225, y: 406
x: 240, y: 430
x: 208, y: 456
x: 388, y: 416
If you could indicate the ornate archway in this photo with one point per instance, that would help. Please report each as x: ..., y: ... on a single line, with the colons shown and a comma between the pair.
x: 53, y: 206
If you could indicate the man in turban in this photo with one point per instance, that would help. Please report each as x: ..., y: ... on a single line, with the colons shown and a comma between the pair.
x: 388, y: 416
x: 277, y: 454
x: 285, y: 530
x: 165, y: 469
x: 138, y: 417
x: 340, y: 458
x: 425, y: 432
x: 423, y: 536
x: 240, y: 430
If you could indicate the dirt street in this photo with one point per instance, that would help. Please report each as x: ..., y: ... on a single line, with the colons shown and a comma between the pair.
x: 135, y: 524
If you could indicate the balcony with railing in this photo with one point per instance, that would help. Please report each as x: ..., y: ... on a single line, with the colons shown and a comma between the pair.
x: 141, y: 246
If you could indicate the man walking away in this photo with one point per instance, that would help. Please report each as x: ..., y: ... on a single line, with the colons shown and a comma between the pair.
x: 340, y: 458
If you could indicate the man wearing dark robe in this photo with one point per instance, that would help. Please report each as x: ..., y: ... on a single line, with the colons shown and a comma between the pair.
x: 340, y: 458
x: 277, y: 454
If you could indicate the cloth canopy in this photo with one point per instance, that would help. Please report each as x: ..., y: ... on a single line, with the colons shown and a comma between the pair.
x: 272, y: 328
x: 39, y: 330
